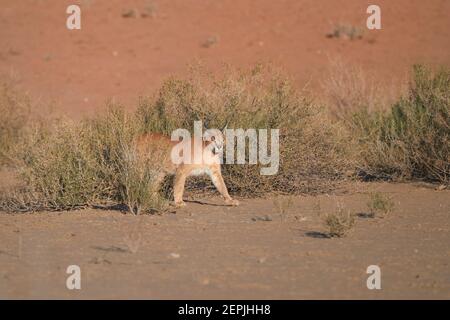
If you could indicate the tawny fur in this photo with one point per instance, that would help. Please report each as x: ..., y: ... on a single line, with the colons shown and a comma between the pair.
x: 160, y: 146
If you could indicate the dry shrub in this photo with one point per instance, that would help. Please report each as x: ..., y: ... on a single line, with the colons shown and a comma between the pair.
x: 339, y: 223
x: 313, y: 149
x: 70, y: 165
x: 94, y: 162
x: 138, y: 183
x: 14, y: 116
x: 380, y: 205
x: 412, y: 139
x: 402, y: 135
x: 349, y: 89
x: 283, y: 205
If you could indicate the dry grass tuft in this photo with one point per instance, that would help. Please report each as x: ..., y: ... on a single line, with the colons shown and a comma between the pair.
x: 283, y: 205
x: 380, y: 205
x: 348, y: 89
x: 15, y: 111
x: 339, y: 223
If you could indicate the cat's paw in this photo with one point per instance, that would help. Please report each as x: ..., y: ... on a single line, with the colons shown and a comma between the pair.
x: 232, y: 202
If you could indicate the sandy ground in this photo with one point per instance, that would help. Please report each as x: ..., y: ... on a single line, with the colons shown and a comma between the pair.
x: 210, y: 251
x: 122, y: 58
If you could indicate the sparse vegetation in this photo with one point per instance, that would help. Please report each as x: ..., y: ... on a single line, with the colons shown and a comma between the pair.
x: 72, y: 166
x: 313, y: 150
x: 339, y: 223
x: 412, y: 139
x: 380, y: 205
x: 149, y: 10
x: 14, y: 110
x: 76, y: 165
x: 66, y: 165
x: 348, y: 90
x: 283, y: 205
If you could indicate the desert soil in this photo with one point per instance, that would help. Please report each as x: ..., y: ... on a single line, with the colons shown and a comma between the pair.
x: 210, y: 251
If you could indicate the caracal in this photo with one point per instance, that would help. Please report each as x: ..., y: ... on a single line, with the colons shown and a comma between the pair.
x: 159, y: 146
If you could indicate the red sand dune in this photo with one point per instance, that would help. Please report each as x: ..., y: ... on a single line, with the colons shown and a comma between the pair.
x: 113, y: 56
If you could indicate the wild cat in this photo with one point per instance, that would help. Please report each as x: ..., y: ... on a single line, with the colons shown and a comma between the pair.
x: 207, y: 152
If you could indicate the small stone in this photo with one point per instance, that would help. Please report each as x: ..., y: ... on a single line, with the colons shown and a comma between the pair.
x: 263, y: 218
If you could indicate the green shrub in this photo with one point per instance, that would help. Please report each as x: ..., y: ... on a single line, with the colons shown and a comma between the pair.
x: 412, y: 140
x: 313, y: 149
x: 77, y: 165
x: 74, y: 165
x: 66, y: 165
